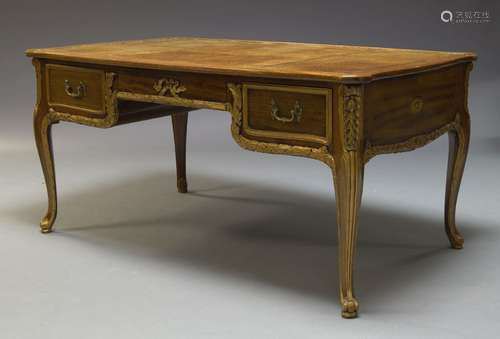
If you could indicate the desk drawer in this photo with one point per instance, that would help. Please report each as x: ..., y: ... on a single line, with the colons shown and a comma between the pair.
x: 76, y: 90
x: 400, y: 108
x: 173, y: 84
x: 287, y: 112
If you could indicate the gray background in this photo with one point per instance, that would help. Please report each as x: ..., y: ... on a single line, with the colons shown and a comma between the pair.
x: 402, y: 24
x: 251, y: 251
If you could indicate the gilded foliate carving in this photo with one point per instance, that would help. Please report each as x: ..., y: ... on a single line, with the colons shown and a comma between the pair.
x: 236, y: 105
x: 351, y: 116
x: 321, y: 154
x: 414, y: 142
x: 164, y: 86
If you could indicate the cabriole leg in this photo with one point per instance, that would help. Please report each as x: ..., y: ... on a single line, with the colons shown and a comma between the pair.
x: 348, y: 190
x: 459, y: 144
x: 43, y: 138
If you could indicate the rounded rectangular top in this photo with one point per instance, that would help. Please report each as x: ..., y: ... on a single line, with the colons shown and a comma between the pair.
x: 289, y: 60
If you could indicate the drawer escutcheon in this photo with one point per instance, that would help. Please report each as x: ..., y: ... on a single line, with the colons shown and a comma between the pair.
x: 416, y: 105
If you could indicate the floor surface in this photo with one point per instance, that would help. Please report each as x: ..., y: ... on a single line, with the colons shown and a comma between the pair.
x: 249, y: 252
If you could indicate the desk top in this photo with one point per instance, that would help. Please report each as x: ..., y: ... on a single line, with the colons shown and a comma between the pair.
x: 257, y: 58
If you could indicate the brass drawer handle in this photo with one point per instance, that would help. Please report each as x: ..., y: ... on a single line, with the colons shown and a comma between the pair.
x: 295, y: 112
x: 80, y: 92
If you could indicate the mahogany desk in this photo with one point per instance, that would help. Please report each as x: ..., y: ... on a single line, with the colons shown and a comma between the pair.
x: 341, y: 105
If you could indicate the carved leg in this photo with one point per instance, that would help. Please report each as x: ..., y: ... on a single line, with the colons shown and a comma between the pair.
x: 459, y: 144
x: 43, y: 138
x: 179, y: 125
x: 348, y: 190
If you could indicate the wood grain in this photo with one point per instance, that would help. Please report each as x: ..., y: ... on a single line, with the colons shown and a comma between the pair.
x: 198, y: 86
x: 257, y: 58
x: 91, y: 104
x: 388, y: 113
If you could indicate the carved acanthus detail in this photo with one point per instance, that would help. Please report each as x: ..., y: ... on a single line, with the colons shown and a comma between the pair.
x: 412, y: 143
x: 171, y: 86
x: 351, y: 116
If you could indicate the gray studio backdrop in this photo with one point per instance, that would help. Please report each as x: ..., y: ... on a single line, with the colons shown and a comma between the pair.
x: 405, y: 24
x: 251, y: 251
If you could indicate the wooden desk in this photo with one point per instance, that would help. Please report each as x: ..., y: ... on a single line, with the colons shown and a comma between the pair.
x: 341, y: 105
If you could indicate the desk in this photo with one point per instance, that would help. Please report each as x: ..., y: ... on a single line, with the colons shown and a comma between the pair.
x: 341, y: 105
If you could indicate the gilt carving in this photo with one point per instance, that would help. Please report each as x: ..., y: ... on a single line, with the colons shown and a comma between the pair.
x: 321, y: 154
x: 171, y: 86
x: 352, y: 113
x: 412, y: 143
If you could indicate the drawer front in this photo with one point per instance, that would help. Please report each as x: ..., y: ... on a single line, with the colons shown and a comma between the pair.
x: 288, y: 112
x: 400, y: 108
x: 174, y: 84
x: 76, y: 90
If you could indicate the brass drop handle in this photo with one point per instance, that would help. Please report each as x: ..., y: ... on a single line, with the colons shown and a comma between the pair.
x: 295, y: 112
x: 80, y: 91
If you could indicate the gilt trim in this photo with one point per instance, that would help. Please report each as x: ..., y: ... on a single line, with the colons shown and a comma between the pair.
x: 411, y: 143
x: 321, y: 153
x: 351, y: 108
